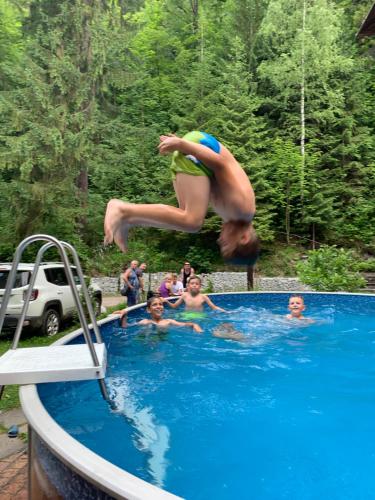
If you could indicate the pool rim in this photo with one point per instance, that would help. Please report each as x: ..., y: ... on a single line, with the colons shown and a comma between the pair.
x: 88, y: 464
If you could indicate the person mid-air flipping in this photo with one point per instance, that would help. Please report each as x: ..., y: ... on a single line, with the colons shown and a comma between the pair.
x: 203, y: 172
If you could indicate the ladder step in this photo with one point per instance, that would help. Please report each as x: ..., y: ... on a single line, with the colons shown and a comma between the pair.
x: 61, y: 363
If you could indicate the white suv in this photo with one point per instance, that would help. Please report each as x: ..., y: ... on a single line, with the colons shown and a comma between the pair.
x: 51, y: 300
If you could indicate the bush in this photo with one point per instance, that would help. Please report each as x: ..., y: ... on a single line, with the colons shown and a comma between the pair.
x: 330, y: 269
x: 201, y: 259
x: 366, y: 266
x: 279, y: 260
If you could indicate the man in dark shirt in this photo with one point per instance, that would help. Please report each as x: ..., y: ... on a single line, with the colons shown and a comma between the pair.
x: 185, y: 273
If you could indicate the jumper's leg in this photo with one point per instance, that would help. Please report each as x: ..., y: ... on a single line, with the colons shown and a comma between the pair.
x: 193, y: 194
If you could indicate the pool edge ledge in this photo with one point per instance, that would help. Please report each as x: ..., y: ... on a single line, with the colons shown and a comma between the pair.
x: 87, y: 464
x: 94, y: 469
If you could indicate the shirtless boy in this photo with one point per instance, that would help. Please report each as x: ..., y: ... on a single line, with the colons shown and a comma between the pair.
x: 296, y: 307
x: 193, y: 298
x: 155, y: 308
x: 203, y: 171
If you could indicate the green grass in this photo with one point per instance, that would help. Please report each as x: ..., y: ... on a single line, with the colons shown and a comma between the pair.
x: 10, y: 397
x: 23, y: 436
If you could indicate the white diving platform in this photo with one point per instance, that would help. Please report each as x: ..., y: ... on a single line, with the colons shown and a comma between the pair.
x: 56, y: 363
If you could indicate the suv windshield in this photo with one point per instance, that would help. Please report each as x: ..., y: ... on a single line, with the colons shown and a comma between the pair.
x: 22, y: 278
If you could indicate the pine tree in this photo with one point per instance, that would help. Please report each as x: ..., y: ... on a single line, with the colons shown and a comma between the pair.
x: 48, y: 125
x: 312, y: 58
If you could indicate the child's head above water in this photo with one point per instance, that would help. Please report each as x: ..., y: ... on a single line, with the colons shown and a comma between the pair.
x: 239, y: 243
x: 194, y: 284
x: 296, y: 306
x: 155, y: 306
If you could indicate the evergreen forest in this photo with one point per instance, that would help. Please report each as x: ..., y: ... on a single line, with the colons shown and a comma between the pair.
x: 87, y: 87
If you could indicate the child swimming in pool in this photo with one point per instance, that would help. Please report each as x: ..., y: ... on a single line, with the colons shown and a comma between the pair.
x: 203, y: 171
x: 193, y: 299
x: 227, y: 331
x: 296, y: 307
x: 155, y: 308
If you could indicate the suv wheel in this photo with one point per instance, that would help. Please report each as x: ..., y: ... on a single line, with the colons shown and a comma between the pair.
x: 51, y: 322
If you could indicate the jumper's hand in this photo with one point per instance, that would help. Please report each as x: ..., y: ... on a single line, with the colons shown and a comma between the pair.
x: 168, y: 144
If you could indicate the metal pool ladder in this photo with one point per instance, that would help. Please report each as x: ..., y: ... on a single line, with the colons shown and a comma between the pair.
x: 55, y: 363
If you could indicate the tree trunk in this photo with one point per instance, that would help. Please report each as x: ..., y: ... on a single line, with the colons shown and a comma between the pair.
x: 85, y: 61
x: 302, y: 178
x: 195, y: 9
x: 287, y: 213
x: 313, y: 235
x: 250, y: 278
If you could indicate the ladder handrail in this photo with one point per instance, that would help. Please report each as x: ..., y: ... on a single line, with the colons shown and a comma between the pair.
x: 85, y: 291
x: 51, y: 242
x: 13, y: 270
x: 73, y: 287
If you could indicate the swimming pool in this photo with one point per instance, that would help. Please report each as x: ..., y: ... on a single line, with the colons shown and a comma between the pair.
x: 285, y: 413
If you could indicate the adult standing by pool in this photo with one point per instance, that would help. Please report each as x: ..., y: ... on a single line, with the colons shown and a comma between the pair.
x: 132, y: 282
x: 186, y: 272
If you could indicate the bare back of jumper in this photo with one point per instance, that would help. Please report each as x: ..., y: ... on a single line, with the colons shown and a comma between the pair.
x: 232, y: 195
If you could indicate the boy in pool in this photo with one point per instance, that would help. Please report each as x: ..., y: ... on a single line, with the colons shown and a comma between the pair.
x: 227, y: 331
x: 155, y: 308
x: 296, y: 307
x: 193, y: 298
x: 203, y: 171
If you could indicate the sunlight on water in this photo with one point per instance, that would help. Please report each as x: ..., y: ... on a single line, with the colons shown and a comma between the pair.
x: 148, y: 437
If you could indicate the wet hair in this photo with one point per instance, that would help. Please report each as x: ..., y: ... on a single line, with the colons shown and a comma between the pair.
x: 151, y: 300
x: 194, y: 277
x: 296, y: 296
x: 245, y: 254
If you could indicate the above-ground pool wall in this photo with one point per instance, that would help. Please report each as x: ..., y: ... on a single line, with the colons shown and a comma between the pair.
x: 50, y: 478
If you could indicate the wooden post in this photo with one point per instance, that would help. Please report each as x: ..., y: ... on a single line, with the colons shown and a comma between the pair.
x: 250, y: 278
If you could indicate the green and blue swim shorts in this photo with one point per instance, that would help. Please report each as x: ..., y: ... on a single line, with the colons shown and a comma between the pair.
x: 189, y: 164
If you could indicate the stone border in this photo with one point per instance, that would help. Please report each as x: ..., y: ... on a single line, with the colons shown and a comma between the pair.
x: 214, y: 282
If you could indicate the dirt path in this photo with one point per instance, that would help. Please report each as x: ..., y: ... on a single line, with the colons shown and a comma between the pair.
x: 114, y: 301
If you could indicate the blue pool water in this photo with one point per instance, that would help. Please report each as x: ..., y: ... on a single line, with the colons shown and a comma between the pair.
x: 288, y: 413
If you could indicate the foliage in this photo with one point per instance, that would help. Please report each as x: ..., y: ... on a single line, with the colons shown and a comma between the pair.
x: 209, y: 287
x: 366, y: 266
x: 87, y: 88
x: 201, y: 259
x: 280, y: 261
x: 330, y: 269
